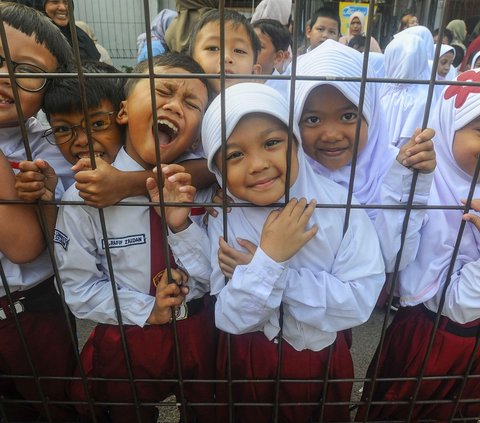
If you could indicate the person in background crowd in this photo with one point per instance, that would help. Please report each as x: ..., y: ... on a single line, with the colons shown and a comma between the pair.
x: 459, y: 31
x: 356, y: 27
x: 104, y: 55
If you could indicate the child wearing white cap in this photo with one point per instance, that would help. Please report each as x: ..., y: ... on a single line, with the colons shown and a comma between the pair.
x: 307, y: 281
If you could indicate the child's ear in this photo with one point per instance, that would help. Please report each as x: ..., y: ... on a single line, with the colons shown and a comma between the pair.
x: 308, y: 30
x: 279, y: 57
x: 122, y: 115
x: 257, y: 69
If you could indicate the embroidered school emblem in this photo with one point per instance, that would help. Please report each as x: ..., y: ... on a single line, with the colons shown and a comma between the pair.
x: 461, y: 91
x: 60, y: 238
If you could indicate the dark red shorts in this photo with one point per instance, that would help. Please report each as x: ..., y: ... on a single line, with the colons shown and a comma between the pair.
x: 153, y: 359
x: 403, y: 354
x: 51, y: 350
x: 254, y: 357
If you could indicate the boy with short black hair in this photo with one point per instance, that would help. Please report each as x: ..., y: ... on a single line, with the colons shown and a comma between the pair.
x: 275, y: 41
x: 324, y: 24
x: 138, y: 262
x: 36, y: 46
x: 242, y: 46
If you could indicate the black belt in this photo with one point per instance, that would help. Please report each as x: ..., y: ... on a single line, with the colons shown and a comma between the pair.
x: 466, y: 330
x: 41, y: 298
x: 189, y: 309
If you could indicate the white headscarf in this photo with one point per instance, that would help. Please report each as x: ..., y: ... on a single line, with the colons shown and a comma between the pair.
x: 422, y: 279
x: 279, y: 10
x: 444, y: 49
x: 404, y: 103
x: 334, y: 59
x: 376, y: 62
x: 425, y: 35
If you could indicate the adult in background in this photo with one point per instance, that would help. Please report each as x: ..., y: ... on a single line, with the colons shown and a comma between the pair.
x: 356, y: 25
x: 57, y: 11
x: 459, y: 31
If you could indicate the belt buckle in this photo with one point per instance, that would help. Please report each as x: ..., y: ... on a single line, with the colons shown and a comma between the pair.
x: 181, y: 312
x: 17, y: 305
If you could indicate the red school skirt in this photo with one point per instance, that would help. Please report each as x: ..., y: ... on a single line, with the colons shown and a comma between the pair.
x: 403, y: 353
x: 152, y: 357
x: 254, y: 357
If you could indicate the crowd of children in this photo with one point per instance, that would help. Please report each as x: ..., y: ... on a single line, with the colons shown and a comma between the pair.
x: 242, y: 310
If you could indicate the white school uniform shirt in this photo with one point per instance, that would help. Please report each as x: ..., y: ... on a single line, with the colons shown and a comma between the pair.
x: 26, y: 276
x: 425, y: 278
x: 379, y: 178
x: 331, y: 284
x: 82, y: 261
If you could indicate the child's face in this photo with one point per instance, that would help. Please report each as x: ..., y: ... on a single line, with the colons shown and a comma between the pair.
x: 106, y: 133
x: 25, y: 50
x: 57, y: 11
x: 466, y: 146
x: 323, y: 29
x: 268, y: 57
x: 239, y: 53
x: 257, y: 160
x: 444, y: 64
x: 180, y: 103
x: 328, y: 126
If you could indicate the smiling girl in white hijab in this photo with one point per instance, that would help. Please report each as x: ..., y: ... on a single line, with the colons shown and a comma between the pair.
x: 456, y: 121
x: 327, y: 112
x: 324, y: 280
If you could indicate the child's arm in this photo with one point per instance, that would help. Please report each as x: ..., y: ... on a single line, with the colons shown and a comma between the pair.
x: 21, y: 238
x: 106, y: 185
x: 189, y: 243
x: 201, y: 176
x: 417, y: 154
x: 37, y: 180
x: 256, y: 290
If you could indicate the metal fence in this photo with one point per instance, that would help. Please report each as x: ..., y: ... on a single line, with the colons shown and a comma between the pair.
x: 133, y: 380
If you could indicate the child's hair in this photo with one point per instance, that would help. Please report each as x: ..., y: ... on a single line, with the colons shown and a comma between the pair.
x: 357, y: 42
x: 31, y: 22
x: 168, y: 60
x: 325, y: 12
x: 278, y: 33
x: 63, y: 95
x: 446, y: 33
x: 232, y: 17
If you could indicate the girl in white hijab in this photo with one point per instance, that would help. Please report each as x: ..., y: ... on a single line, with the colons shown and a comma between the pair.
x: 445, y: 70
x: 456, y: 121
x: 306, y: 272
x: 356, y: 25
x: 327, y: 112
x: 404, y: 102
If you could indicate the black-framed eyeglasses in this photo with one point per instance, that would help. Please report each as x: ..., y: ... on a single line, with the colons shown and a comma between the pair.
x: 61, y: 134
x: 31, y: 85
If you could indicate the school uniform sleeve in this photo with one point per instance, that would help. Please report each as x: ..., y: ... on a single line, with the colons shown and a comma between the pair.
x: 191, y: 249
x: 462, y: 299
x: 388, y: 223
x: 343, y: 296
x: 87, y: 287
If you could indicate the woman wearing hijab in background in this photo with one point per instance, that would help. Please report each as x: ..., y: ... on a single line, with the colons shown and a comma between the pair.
x: 445, y: 70
x: 459, y: 31
x: 104, y: 55
x: 158, y: 28
x: 356, y: 24
x: 57, y: 11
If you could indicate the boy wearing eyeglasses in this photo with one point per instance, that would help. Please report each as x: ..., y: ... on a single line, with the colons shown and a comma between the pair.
x: 38, y: 351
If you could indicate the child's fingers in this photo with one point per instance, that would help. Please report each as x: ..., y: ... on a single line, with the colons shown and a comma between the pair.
x: 249, y: 246
x: 426, y: 135
x: 424, y: 161
x: 26, y: 166
x: 308, y: 235
x: 82, y: 164
x: 178, y: 276
x: 171, y: 169
x: 308, y: 212
x: 180, y: 177
x: 473, y: 218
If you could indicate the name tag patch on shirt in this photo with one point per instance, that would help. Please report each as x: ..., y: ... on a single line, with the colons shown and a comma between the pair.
x: 60, y: 238
x: 125, y: 241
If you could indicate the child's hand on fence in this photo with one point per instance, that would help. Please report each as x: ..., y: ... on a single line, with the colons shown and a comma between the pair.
x: 168, y: 295
x: 471, y: 217
x: 284, y: 232
x: 99, y: 187
x: 229, y: 258
x: 36, y: 180
x: 218, y: 199
x: 418, y: 153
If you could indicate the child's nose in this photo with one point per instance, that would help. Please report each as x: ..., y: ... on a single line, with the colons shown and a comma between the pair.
x: 258, y: 163
x: 330, y: 134
x: 81, y: 136
x: 173, y: 105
